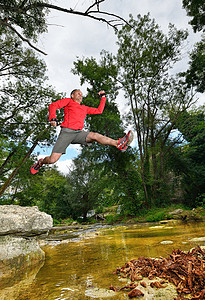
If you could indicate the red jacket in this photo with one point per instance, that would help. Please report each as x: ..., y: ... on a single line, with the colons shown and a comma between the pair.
x: 74, y: 113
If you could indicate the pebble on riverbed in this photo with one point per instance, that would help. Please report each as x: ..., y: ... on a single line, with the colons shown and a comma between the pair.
x: 98, y: 292
x: 166, y: 242
x: 186, y: 270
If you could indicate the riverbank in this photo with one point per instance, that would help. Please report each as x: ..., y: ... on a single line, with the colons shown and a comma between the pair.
x: 77, y: 230
x: 112, y: 215
x: 80, y: 232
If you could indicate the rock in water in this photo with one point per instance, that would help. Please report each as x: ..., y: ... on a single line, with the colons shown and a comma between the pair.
x: 26, y: 221
x: 19, y: 228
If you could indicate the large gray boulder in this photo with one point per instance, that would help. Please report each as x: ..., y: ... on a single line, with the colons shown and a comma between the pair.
x: 19, y: 246
x: 26, y: 221
x: 17, y: 253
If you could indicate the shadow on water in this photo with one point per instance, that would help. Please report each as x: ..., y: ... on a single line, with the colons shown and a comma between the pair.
x: 75, y: 265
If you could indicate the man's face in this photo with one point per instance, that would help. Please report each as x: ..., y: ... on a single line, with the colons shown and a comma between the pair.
x: 77, y: 96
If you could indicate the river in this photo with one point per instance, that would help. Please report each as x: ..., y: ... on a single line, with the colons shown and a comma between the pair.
x: 80, y: 266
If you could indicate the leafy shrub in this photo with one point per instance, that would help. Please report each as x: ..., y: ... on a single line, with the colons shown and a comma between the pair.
x: 158, y: 216
x: 111, y: 219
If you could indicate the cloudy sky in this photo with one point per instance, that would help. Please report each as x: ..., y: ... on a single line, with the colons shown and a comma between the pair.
x: 71, y: 36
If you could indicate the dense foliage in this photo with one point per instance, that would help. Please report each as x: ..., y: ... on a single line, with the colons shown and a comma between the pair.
x: 196, y: 10
x: 192, y: 126
x: 24, y: 97
x: 195, y: 75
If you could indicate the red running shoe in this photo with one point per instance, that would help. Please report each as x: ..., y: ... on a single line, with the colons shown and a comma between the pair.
x: 35, y: 168
x: 124, y: 142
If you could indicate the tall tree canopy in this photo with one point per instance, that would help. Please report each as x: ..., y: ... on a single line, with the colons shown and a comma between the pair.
x: 195, y: 75
x: 192, y: 126
x: 144, y: 59
x: 118, y: 179
x: 156, y: 98
x: 196, y: 10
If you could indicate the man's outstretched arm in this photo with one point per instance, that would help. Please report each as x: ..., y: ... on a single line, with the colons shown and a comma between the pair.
x: 100, y: 108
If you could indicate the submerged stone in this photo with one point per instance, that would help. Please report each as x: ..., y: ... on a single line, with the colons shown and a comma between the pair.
x: 99, y: 293
x: 199, y: 239
x: 166, y: 242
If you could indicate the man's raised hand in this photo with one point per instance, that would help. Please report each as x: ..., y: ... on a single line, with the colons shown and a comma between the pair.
x: 101, y: 93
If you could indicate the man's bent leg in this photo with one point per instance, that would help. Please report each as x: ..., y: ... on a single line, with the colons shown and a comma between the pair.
x: 47, y: 160
x: 51, y: 159
x: 101, y: 139
x: 121, y: 144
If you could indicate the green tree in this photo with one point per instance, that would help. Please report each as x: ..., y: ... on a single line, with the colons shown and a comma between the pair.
x: 144, y: 59
x: 195, y: 75
x: 118, y: 173
x: 24, y: 106
x: 192, y: 125
x: 53, y: 194
x: 48, y: 191
x: 196, y: 10
x: 86, y: 185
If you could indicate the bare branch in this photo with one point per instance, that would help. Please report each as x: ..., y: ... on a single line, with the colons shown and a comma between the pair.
x: 23, y: 3
x: 110, y: 15
x: 21, y: 36
x: 97, y: 2
x: 88, y: 13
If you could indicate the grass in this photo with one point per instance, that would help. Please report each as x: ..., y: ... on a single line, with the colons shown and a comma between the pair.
x: 157, y: 214
x: 111, y: 219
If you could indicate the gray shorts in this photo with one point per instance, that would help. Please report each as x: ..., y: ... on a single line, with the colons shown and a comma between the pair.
x: 69, y: 136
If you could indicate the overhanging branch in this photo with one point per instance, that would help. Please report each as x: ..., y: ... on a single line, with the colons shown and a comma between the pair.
x: 26, y: 10
x: 6, y: 24
x: 88, y: 13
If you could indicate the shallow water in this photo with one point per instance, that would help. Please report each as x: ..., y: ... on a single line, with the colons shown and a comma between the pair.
x: 73, y: 268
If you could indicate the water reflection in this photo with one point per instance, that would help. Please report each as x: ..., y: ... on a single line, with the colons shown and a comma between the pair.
x: 71, y: 268
x: 11, y: 288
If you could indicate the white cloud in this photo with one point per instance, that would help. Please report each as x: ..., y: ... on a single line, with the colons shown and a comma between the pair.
x: 64, y: 166
x: 201, y: 100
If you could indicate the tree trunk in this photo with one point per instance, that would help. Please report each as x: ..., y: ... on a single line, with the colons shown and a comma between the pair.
x: 142, y: 156
x: 13, y: 152
x: 6, y: 161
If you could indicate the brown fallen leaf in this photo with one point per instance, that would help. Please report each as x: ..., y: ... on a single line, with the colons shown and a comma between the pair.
x: 113, y: 288
x: 135, y: 293
x: 130, y: 286
x: 156, y: 284
x: 143, y: 284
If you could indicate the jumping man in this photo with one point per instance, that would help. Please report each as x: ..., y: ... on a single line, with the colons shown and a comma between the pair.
x: 72, y: 128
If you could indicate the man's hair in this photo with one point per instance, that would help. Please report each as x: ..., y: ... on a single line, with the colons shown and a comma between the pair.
x: 73, y: 91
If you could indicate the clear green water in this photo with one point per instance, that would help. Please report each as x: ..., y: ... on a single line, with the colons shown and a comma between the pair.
x: 72, y: 267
